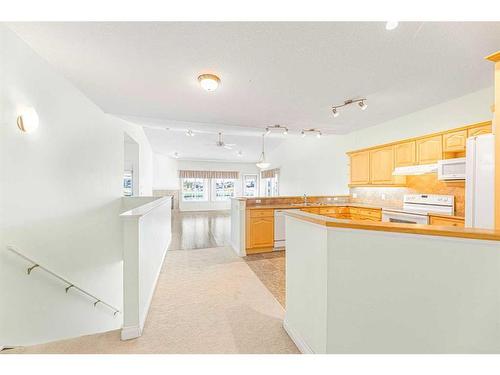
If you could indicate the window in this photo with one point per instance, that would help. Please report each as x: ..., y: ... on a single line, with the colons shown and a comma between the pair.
x: 194, y: 190
x: 271, y: 186
x: 223, y: 189
x: 250, y: 185
x: 128, y: 185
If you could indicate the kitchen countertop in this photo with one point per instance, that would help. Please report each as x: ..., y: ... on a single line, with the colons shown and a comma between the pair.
x: 423, y: 229
x: 325, y: 205
x: 346, y: 204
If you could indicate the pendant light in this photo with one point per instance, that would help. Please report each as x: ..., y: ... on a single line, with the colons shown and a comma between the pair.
x: 262, y: 163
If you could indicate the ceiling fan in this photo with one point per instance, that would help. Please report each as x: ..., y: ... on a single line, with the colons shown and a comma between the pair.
x: 220, y: 143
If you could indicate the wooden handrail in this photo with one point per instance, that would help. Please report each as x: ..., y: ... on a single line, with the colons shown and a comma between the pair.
x: 69, y: 283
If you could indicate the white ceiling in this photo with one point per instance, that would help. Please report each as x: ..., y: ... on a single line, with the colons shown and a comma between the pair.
x: 272, y: 73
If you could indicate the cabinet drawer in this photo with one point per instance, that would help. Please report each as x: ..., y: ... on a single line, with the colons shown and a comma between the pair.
x: 262, y: 213
x: 448, y: 222
x: 370, y: 212
x: 364, y: 217
x: 332, y: 210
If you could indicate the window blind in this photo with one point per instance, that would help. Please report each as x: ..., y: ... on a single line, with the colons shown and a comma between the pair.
x: 270, y: 173
x: 209, y: 174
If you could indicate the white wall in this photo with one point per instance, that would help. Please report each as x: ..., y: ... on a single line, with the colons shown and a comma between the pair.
x: 243, y: 168
x: 165, y: 173
x: 60, y: 196
x: 320, y: 166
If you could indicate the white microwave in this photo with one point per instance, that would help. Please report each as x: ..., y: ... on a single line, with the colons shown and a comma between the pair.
x: 451, y: 169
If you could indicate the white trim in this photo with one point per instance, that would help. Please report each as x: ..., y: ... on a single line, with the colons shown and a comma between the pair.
x: 297, y: 339
x: 129, y: 333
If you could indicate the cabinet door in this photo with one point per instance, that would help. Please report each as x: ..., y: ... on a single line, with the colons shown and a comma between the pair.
x: 479, y: 130
x: 360, y: 168
x: 454, y: 141
x: 430, y: 149
x: 261, y: 232
x: 446, y: 222
x: 404, y: 154
x: 382, y: 165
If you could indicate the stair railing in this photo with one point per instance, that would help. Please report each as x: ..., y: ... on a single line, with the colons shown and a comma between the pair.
x: 69, y: 284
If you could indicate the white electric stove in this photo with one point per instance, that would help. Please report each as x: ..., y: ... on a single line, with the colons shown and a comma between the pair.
x: 416, y: 208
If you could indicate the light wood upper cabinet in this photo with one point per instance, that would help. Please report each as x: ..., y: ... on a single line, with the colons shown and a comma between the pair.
x: 360, y: 168
x: 404, y: 154
x: 382, y: 165
x: 429, y: 149
x: 454, y: 141
x: 479, y: 130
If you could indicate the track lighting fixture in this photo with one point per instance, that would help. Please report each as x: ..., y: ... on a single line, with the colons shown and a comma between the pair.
x: 361, y: 102
x: 239, y: 154
x: 176, y: 155
x: 283, y: 129
x: 190, y: 133
x: 304, y: 132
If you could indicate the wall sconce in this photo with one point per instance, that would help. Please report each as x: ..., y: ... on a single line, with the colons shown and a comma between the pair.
x: 27, y: 121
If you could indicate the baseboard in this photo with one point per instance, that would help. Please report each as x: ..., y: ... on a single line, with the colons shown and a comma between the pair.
x: 297, y: 339
x: 129, y: 333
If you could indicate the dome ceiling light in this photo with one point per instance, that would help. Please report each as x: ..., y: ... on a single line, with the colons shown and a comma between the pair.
x: 262, y: 163
x: 391, y: 25
x: 209, y: 82
x: 361, y: 102
x: 283, y: 129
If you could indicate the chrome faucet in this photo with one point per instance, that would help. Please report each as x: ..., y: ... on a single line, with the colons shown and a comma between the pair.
x: 305, y: 199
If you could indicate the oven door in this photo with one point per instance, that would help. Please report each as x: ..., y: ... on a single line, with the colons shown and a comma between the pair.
x: 403, y: 217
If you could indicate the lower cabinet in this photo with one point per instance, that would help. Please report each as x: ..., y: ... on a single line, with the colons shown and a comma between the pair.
x: 260, y: 231
x: 446, y: 221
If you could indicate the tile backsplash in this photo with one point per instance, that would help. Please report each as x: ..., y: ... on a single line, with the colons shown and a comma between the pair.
x: 425, y: 184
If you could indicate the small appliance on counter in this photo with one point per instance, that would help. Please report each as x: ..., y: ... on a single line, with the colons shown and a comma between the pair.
x: 479, y: 182
x: 416, y: 208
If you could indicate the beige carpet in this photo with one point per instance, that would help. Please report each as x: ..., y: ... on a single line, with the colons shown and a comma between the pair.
x: 206, y: 301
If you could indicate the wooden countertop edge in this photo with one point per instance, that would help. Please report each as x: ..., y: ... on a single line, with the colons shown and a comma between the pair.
x: 429, y: 230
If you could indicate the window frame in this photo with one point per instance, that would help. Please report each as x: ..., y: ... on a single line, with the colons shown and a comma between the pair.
x: 206, y: 190
x: 256, y: 189
x: 213, y: 192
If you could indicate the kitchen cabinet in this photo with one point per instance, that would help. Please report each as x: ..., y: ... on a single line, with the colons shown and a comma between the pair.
x: 405, y: 154
x: 446, y: 221
x: 360, y: 168
x: 454, y: 141
x: 429, y: 149
x: 371, y: 214
x: 382, y: 165
x: 479, y: 130
x: 260, y: 230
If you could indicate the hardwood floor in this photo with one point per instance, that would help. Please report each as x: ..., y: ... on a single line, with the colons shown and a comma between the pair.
x: 200, y: 230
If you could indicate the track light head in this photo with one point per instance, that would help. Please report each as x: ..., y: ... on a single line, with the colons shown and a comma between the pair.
x: 318, y: 134
x: 190, y: 133
x: 268, y: 131
x: 362, y: 105
x: 303, y: 133
x: 335, y: 112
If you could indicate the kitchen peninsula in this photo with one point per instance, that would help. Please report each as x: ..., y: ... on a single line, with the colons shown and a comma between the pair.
x: 376, y: 287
